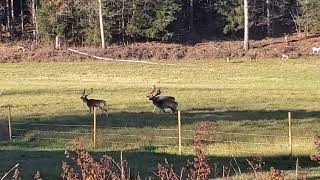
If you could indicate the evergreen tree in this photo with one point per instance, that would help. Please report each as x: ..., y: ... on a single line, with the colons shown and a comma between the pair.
x: 232, y: 12
x: 77, y: 21
x: 310, y: 19
x: 74, y: 20
x: 151, y: 19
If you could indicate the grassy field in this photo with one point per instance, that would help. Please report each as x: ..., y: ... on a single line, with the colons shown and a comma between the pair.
x: 240, y: 97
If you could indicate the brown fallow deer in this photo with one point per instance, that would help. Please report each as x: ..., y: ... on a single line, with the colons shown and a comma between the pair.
x: 253, y: 56
x: 93, y: 102
x: 162, y: 102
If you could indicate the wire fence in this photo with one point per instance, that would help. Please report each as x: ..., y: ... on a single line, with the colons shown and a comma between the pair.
x: 179, y: 138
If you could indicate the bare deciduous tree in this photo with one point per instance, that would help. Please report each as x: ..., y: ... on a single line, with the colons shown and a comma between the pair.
x: 34, y: 19
x: 191, y: 17
x: 246, y: 25
x: 101, y: 25
x: 21, y: 16
x: 8, y: 14
x: 12, y: 10
x: 269, y: 28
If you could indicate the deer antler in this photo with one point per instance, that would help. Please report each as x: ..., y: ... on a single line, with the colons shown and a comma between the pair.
x: 90, y: 92
x: 158, y: 92
x: 1, y: 91
x: 84, y: 92
x: 153, y: 88
x: 155, y: 91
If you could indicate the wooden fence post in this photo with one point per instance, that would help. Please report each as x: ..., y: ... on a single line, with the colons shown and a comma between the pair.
x: 290, y: 134
x: 123, y: 177
x: 179, y: 132
x: 9, y: 123
x: 94, y: 126
x: 297, y: 169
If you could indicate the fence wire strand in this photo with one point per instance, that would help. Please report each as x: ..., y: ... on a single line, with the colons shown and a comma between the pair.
x: 162, y: 129
x: 174, y: 138
x: 160, y: 137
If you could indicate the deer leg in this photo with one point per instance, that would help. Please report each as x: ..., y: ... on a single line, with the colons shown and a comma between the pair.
x: 105, y: 110
x: 154, y: 108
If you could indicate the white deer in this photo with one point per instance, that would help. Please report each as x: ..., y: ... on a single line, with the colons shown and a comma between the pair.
x: 284, y: 56
x: 315, y: 50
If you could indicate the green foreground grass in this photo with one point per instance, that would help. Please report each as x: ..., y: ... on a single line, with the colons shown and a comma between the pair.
x: 244, y: 98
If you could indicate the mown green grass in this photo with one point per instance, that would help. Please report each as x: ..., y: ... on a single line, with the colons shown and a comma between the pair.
x: 241, y: 97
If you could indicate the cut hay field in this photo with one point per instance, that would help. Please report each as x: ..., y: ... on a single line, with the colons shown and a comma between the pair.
x: 241, y: 98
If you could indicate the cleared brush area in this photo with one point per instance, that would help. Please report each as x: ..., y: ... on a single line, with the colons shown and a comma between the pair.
x: 241, y: 98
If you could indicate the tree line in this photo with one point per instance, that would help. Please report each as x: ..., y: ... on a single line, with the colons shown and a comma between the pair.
x: 77, y: 22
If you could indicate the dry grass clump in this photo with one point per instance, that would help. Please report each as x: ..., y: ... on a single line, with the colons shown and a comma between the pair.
x: 199, y: 168
x: 204, y: 134
x: 276, y: 174
x: 80, y: 165
x: 316, y: 157
x: 166, y: 172
x: 256, y: 165
x: 86, y: 168
x: 17, y: 175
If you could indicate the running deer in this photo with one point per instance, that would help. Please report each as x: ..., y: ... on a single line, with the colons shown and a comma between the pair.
x: 162, y: 102
x: 93, y: 102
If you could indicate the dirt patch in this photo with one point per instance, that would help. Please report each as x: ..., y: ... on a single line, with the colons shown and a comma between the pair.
x: 295, y: 47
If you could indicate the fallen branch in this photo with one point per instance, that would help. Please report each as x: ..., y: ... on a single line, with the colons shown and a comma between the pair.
x: 219, y: 49
x: 10, y: 171
x: 109, y: 59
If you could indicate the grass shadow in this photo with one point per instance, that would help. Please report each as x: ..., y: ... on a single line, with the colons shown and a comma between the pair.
x: 252, y: 115
x: 154, y: 120
x: 144, y: 162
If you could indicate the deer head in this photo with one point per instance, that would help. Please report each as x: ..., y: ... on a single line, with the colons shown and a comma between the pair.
x: 84, y: 95
x: 154, y: 92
